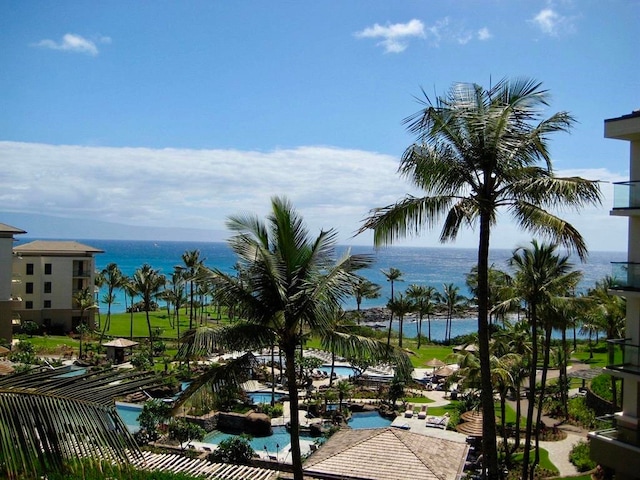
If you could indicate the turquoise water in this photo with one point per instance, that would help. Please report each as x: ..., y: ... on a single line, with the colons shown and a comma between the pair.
x: 263, y: 397
x: 363, y: 420
x: 340, y: 370
x: 425, y: 266
x: 272, y: 444
x: 129, y: 415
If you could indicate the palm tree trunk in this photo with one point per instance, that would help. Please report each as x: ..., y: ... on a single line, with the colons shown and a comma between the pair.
x: 419, y: 330
x: 150, y: 335
x: 543, y: 384
x: 531, y: 396
x: 489, y: 447
x: 333, y: 363
x: 401, y: 320
x: 273, y: 375
x: 296, y: 458
x: 564, y: 380
x: 429, y: 326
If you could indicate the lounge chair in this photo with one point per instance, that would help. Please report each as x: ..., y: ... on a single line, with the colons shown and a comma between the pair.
x: 422, y: 414
x: 409, y: 412
x: 438, y: 422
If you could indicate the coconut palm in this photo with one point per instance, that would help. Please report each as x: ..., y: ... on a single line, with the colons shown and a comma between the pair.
x: 453, y: 303
x: 478, y: 150
x: 147, y: 282
x: 48, y: 422
x: 422, y: 297
x: 112, y: 277
x: 292, y: 285
x: 192, y: 268
x: 541, y: 276
x: 400, y: 305
x: 393, y: 275
x: 364, y: 289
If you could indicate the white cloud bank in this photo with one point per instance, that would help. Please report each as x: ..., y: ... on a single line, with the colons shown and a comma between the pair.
x: 71, y: 42
x: 552, y: 23
x: 394, y: 37
x: 183, y: 188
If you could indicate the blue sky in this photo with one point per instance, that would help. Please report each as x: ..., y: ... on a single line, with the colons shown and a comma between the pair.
x: 177, y: 114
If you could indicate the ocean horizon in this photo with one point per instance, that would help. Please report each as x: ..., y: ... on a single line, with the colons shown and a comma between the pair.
x: 432, y: 266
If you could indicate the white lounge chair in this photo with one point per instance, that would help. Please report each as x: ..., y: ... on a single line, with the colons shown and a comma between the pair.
x: 409, y: 412
x: 422, y: 414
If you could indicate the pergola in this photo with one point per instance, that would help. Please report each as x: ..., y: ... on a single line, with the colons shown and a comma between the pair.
x: 115, y: 349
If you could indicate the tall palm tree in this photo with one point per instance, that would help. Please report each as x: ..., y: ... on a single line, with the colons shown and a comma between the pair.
x: 83, y: 300
x: 542, y: 275
x: 422, y: 297
x: 393, y: 275
x: 453, y: 303
x: 478, y: 150
x: 400, y: 305
x: 192, y: 268
x: 365, y: 289
x: 292, y: 284
x: 112, y: 277
x: 148, y: 282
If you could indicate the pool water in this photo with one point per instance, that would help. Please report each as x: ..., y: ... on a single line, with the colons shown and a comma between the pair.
x: 363, y: 420
x: 263, y: 397
x: 272, y: 444
x: 129, y: 415
x: 340, y: 370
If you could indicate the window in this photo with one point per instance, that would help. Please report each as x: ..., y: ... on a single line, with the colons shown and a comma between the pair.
x: 47, y: 287
x: 47, y: 304
x: 29, y: 268
x: 29, y: 287
x: 47, y: 269
x: 28, y: 305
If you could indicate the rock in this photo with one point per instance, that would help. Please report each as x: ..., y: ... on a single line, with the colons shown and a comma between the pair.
x: 257, y: 424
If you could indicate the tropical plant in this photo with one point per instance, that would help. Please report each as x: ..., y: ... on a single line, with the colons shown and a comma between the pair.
x: 154, y: 412
x: 453, y: 303
x: 236, y: 450
x: 148, y: 282
x: 478, y: 150
x: 364, y: 289
x: 184, y: 431
x: 393, y: 275
x: 422, y: 297
x: 400, y: 305
x: 292, y: 284
x: 192, y: 268
x: 48, y: 421
x: 113, y: 278
x: 30, y: 328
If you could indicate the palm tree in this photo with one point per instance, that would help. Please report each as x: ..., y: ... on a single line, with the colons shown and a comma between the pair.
x: 478, y: 150
x: 364, y: 288
x: 393, y: 275
x: 400, y: 305
x: 112, y: 277
x: 453, y: 302
x: 147, y: 282
x: 83, y: 300
x: 422, y: 297
x: 51, y: 421
x: 499, y: 282
x: 192, y: 267
x: 292, y: 284
x: 542, y: 276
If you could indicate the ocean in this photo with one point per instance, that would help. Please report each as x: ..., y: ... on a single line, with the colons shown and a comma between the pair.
x: 419, y: 265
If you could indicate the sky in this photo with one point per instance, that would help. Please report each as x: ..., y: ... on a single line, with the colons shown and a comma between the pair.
x: 159, y: 120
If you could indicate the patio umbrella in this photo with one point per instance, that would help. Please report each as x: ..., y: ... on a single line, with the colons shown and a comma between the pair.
x: 435, y: 362
x: 444, y: 372
x: 471, y: 429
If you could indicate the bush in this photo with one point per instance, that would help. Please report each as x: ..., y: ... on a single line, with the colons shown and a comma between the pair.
x: 184, y: 431
x: 275, y: 411
x: 30, y: 328
x: 579, y: 456
x: 580, y: 414
x: 601, y: 386
x: 236, y: 450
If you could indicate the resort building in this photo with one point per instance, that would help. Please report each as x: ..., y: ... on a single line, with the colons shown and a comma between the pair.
x: 8, y: 302
x: 619, y: 448
x: 48, y: 275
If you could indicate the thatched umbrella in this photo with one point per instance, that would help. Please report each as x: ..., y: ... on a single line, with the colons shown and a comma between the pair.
x: 444, y: 372
x: 471, y: 429
x: 435, y: 362
x: 472, y: 416
x: 4, y: 351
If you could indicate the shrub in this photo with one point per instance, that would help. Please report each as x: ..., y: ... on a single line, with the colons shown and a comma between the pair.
x: 30, y: 328
x: 236, y: 450
x: 184, y: 431
x: 579, y: 456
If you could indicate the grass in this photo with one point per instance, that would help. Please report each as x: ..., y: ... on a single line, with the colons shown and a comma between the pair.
x: 545, y: 462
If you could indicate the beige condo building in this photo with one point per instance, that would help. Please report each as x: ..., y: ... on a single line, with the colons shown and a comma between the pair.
x: 618, y: 448
x: 8, y: 302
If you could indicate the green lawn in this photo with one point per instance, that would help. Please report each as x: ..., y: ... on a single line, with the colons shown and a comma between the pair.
x: 121, y: 324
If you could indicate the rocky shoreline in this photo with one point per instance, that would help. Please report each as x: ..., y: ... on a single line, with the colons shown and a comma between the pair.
x: 380, y: 315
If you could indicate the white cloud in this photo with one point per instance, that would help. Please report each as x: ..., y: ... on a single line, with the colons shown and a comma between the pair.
x: 394, y: 37
x: 71, y: 42
x: 484, y: 34
x: 185, y: 188
x: 551, y: 23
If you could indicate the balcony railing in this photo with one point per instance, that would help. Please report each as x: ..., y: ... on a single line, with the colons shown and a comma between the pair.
x: 626, y: 195
x: 626, y: 356
x: 626, y: 275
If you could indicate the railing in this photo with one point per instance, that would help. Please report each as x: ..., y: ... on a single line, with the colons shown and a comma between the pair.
x: 80, y: 273
x: 626, y: 195
x: 626, y: 275
x: 626, y: 356
x: 609, y: 429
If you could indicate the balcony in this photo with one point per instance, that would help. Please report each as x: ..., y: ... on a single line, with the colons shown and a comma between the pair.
x: 626, y: 198
x: 626, y: 357
x: 626, y: 276
x: 617, y: 446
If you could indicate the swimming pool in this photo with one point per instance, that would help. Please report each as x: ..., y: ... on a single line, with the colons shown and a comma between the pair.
x: 363, y: 420
x: 340, y: 370
x: 129, y: 414
x: 272, y: 444
x: 263, y: 397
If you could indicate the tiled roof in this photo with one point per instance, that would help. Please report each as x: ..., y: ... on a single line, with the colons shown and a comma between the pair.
x: 383, y: 454
x: 4, y: 228
x: 54, y: 247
